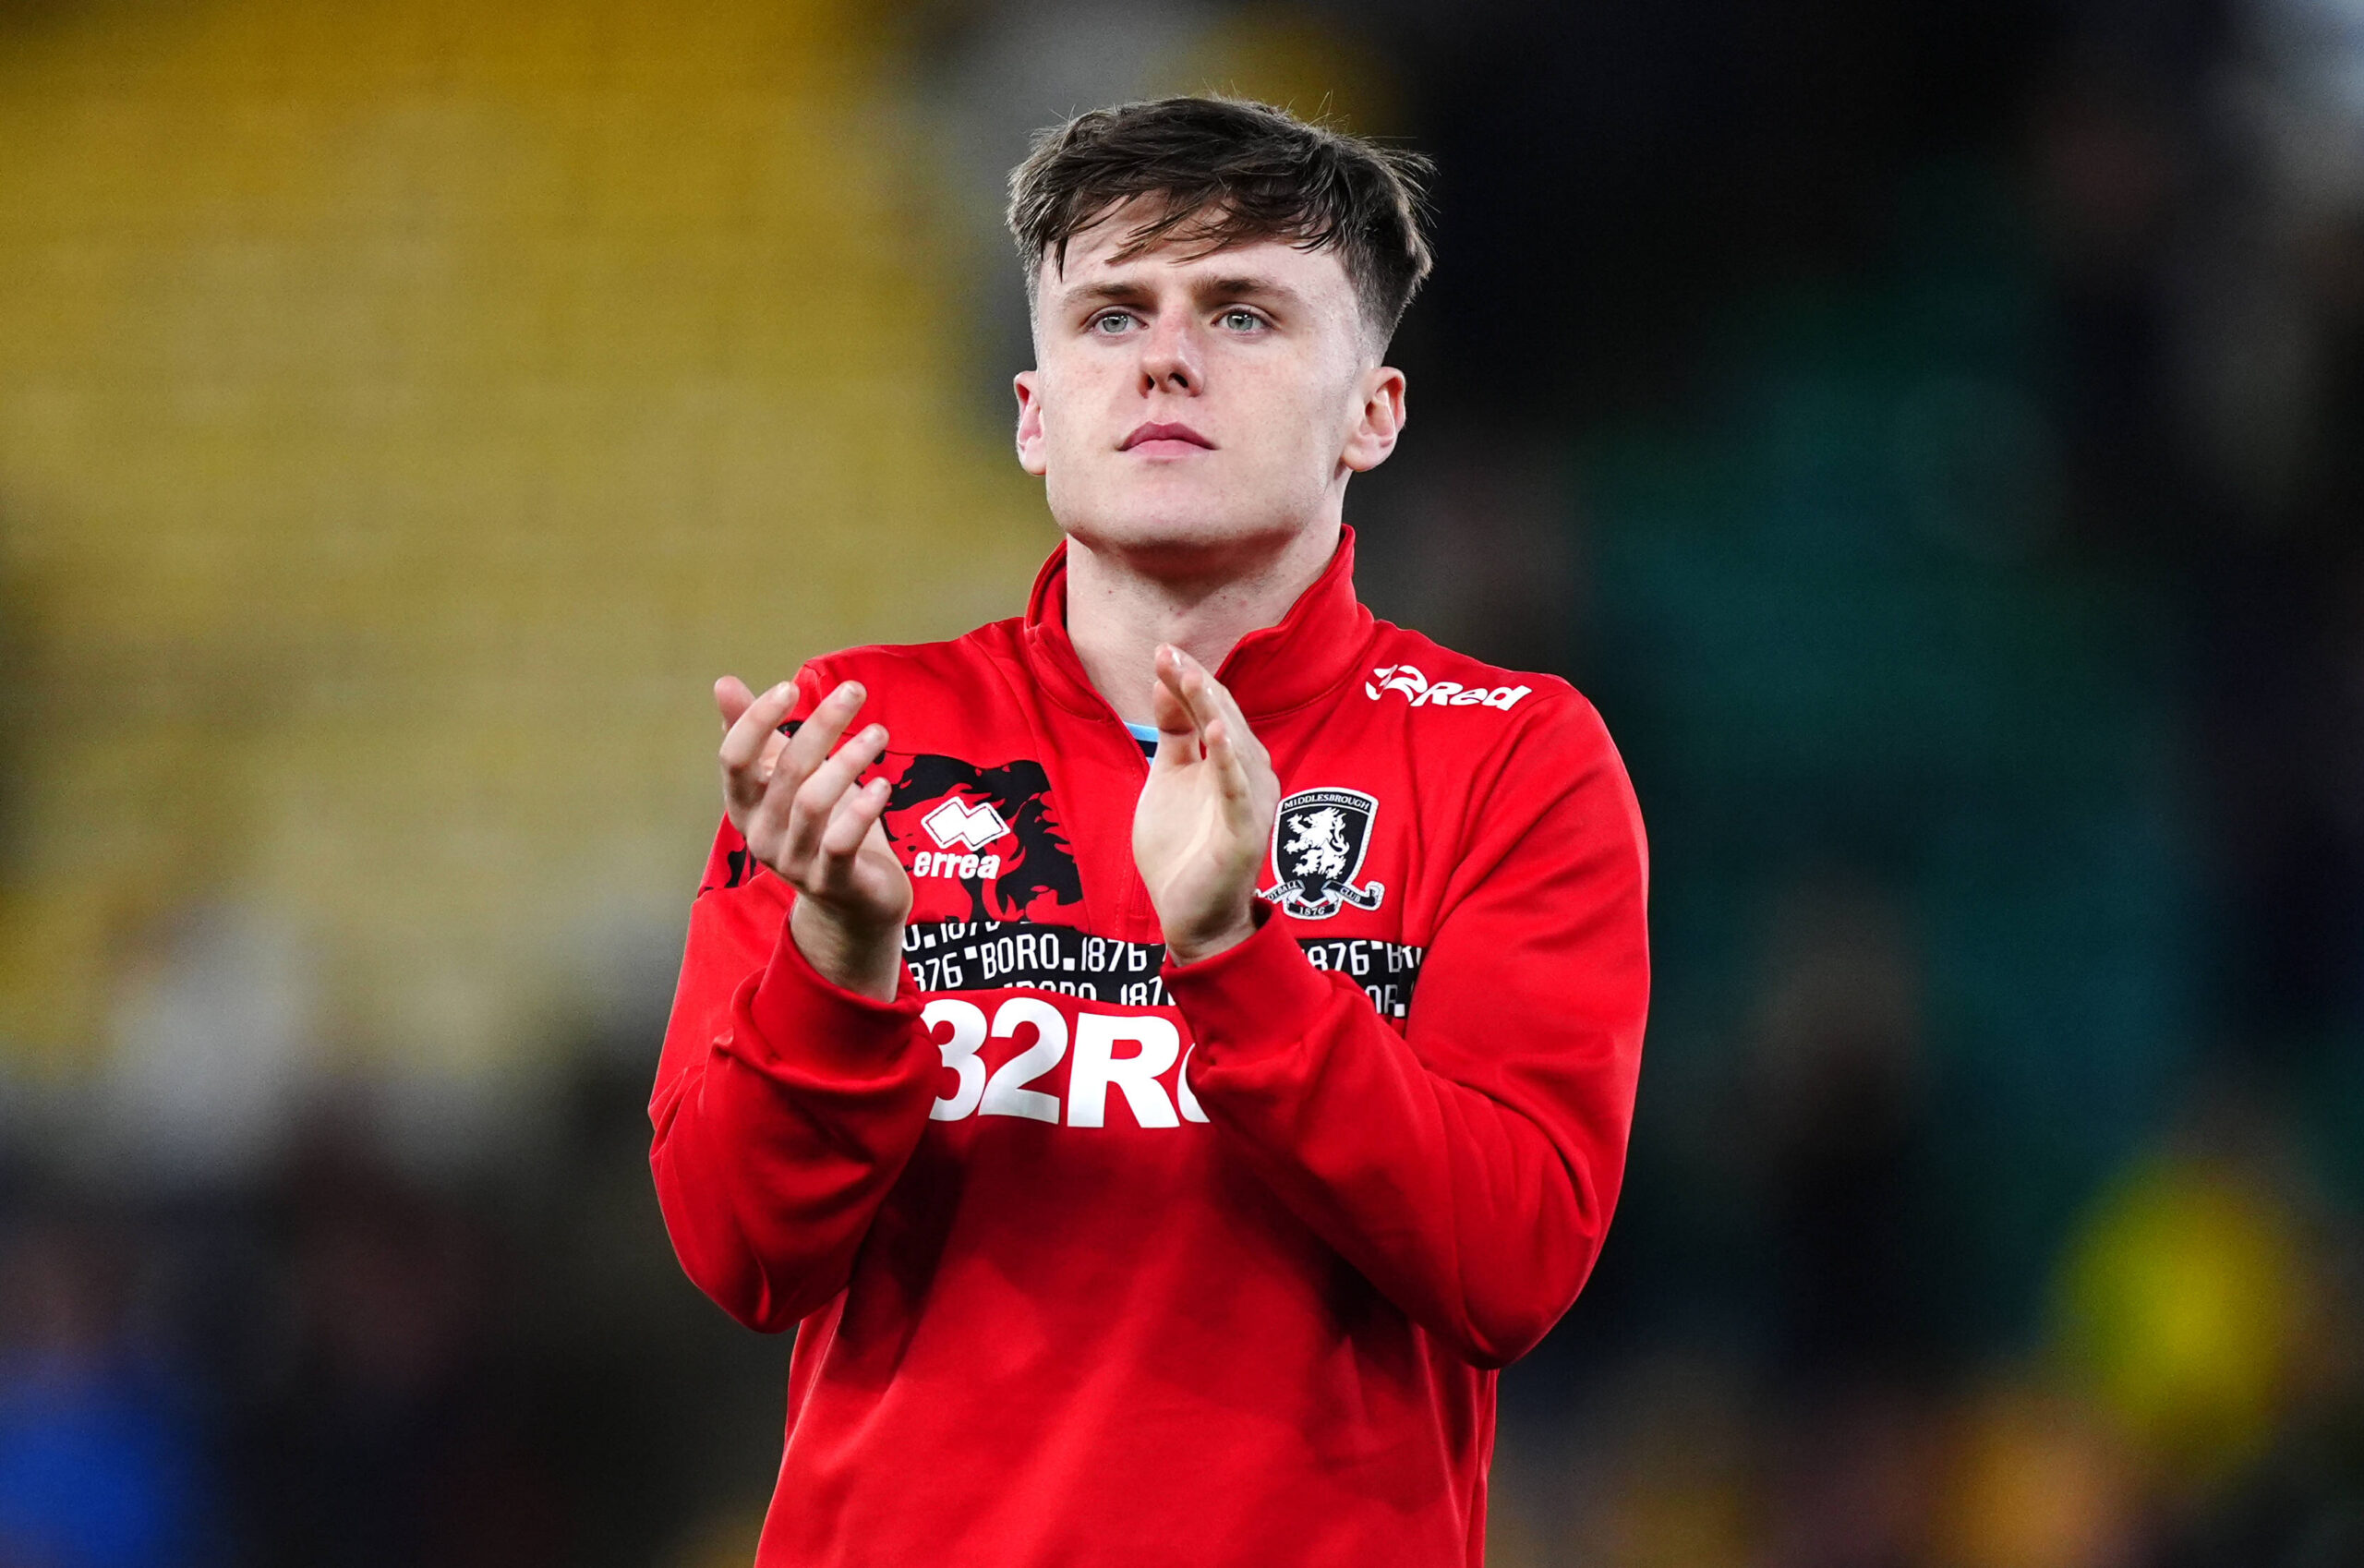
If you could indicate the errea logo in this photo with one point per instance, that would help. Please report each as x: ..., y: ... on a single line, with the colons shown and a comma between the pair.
x: 1407, y: 679
x: 958, y: 825
x: 962, y: 828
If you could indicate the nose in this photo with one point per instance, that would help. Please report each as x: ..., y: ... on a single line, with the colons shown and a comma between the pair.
x: 1170, y: 357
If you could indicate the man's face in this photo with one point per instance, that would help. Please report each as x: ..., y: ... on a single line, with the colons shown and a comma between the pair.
x: 1191, y: 401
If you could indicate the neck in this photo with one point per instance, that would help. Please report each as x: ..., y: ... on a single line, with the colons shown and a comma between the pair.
x: 1122, y: 604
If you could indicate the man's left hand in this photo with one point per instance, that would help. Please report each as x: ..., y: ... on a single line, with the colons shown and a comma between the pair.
x: 1206, y: 814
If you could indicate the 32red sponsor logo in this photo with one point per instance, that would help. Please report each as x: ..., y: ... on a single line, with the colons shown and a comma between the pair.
x: 1118, y: 1056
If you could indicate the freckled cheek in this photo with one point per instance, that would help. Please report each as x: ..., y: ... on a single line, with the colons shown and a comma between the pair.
x: 1076, y: 423
x: 1278, y: 431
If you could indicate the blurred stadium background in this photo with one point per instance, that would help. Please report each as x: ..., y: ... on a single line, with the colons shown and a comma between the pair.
x: 1933, y: 433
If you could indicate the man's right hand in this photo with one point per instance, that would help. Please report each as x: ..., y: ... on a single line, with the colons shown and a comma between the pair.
x: 794, y: 799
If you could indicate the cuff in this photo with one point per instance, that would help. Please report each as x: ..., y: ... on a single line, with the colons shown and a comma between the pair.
x: 1260, y: 996
x: 815, y: 1023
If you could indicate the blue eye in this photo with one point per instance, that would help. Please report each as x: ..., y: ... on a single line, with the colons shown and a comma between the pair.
x: 1109, y: 323
x: 1242, y: 320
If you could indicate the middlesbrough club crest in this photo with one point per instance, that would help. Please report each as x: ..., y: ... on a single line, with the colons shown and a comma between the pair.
x: 1319, y: 841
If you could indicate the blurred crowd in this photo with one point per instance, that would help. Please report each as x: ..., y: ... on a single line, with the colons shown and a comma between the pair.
x: 347, y: 1360
x: 1935, y: 438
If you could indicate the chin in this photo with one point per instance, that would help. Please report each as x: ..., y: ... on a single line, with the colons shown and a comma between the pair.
x: 1197, y: 519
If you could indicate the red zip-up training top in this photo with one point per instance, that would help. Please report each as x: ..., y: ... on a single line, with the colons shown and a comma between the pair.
x: 1097, y: 1260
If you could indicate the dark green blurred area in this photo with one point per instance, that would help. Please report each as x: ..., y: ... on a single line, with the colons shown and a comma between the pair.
x: 1850, y: 659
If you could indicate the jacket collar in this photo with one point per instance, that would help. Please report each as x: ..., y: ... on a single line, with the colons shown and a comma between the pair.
x: 1314, y: 647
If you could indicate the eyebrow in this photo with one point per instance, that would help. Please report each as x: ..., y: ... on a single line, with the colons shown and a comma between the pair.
x: 1114, y: 290
x: 1250, y: 283
x: 1245, y: 285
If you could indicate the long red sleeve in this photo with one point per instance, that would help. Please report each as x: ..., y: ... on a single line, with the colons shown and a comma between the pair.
x: 1468, y: 1166
x: 784, y: 1108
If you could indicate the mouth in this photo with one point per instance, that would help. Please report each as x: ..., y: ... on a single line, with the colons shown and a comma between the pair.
x: 1166, y: 441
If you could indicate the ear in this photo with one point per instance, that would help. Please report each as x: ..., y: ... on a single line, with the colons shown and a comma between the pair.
x: 1028, y: 387
x: 1378, y: 422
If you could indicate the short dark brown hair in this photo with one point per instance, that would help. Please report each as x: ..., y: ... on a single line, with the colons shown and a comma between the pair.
x: 1224, y: 170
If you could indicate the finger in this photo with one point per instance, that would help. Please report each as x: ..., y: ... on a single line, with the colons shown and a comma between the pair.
x: 795, y: 762
x: 731, y: 699
x: 1177, y: 733
x: 1171, y: 674
x: 850, y: 823
x: 819, y: 735
x: 774, y: 743
x: 816, y: 800
x: 1243, y: 740
x: 1237, y: 798
x: 746, y: 744
x: 842, y: 824
x: 1198, y: 690
x: 1226, y: 707
x: 742, y: 739
x: 1231, y: 773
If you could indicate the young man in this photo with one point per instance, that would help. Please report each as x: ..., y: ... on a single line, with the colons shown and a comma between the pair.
x: 1157, y: 1157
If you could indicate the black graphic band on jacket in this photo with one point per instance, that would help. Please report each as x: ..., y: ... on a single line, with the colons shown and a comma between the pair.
x: 987, y: 954
x: 1040, y: 865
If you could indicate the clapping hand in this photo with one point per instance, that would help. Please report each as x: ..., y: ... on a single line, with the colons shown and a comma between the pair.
x: 1203, y: 822
x: 795, y: 801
